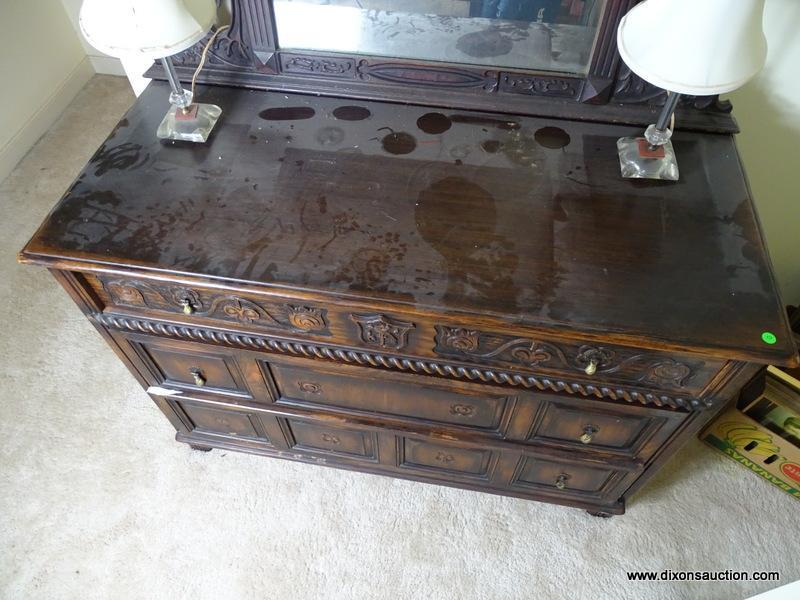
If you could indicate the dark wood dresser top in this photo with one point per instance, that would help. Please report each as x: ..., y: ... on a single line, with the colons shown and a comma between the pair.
x: 521, y: 219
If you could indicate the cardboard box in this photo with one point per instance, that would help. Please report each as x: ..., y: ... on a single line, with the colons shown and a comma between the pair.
x: 763, y: 432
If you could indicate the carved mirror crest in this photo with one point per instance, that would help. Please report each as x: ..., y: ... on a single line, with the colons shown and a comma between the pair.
x: 509, y: 55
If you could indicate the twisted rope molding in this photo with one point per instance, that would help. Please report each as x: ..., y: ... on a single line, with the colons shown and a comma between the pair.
x: 372, y: 359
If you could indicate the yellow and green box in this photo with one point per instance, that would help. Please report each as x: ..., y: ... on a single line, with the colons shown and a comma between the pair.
x: 764, y: 434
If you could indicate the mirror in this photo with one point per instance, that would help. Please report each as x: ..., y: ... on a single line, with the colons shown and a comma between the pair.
x: 549, y: 35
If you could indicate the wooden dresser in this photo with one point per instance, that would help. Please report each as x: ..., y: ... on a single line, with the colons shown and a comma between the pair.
x: 454, y: 297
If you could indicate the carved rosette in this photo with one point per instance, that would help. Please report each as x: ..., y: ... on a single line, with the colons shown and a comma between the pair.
x: 462, y: 340
x: 306, y: 319
x: 309, y: 387
x: 125, y: 294
x: 668, y: 373
x: 383, y: 332
x: 445, y: 458
x: 330, y: 438
x: 462, y: 410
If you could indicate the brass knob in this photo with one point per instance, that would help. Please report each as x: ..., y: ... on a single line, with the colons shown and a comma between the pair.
x: 197, y: 375
x: 588, y: 434
x: 188, y: 309
x: 561, y: 481
x: 591, y: 368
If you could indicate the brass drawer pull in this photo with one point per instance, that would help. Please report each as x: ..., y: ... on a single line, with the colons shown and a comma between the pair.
x: 561, y: 481
x: 588, y: 434
x: 186, y: 303
x: 330, y: 439
x: 197, y: 375
x: 591, y: 368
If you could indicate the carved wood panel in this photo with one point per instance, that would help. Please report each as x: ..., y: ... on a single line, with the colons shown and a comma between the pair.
x: 511, y: 377
x: 248, y: 53
x: 607, y: 362
x: 539, y: 85
x: 383, y: 332
x: 235, y: 308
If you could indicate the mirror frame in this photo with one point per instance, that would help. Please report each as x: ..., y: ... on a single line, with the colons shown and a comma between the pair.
x: 247, y: 54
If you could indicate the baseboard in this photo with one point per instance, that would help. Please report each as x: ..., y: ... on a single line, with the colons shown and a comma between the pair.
x: 107, y: 65
x: 44, y: 117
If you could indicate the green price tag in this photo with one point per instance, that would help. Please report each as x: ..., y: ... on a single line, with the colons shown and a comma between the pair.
x: 768, y: 337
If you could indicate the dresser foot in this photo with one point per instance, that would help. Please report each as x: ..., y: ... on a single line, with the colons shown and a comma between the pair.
x: 200, y: 448
x: 600, y: 514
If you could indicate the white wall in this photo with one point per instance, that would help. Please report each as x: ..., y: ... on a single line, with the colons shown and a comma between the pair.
x: 102, y: 63
x: 768, y: 111
x: 42, y: 67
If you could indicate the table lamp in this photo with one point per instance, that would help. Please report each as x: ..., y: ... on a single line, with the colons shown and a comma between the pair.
x: 697, y: 47
x: 157, y: 29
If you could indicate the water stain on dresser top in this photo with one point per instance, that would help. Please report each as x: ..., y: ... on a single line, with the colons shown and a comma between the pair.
x: 399, y: 142
x: 554, y: 138
x: 231, y: 207
x: 351, y: 113
x: 287, y: 113
x: 434, y: 123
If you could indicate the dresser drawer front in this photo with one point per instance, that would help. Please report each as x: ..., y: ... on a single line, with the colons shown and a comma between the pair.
x: 225, y: 422
x: 205, y: 368
x: 334, y: 441
x: 566, y: 479
x: 211, y: 306
x: 439, y: 459
x: 634, y: 432
x: 360, y: 390
x: 194, y: 368
x: 587, y: 367
x: 599, y: 364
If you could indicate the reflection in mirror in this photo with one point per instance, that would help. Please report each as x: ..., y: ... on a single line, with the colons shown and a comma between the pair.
x: 550, y: 35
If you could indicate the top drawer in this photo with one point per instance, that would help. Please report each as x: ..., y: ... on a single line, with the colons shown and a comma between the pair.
x: 204, y: 304
x: 587, y: 367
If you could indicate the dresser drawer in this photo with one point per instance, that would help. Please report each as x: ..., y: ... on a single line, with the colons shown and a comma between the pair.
x: 321, y: 440
x: 227, y: 423
x: 586, y: 366
x: 209, y: 306
x: 568, y: 479
x: 193, y: 367
x: 598, y: 365
x: 445, y: 460
x: 363, y: 391
x: 628, y: 431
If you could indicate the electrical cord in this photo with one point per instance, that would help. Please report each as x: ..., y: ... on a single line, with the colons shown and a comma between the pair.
x: 204, y: 54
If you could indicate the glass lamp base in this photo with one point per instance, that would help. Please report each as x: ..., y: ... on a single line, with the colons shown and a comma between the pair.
x: 640, y: 160
x: 193, y: 125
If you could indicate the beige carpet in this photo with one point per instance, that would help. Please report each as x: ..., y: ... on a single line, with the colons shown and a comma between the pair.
x: 98, y: 501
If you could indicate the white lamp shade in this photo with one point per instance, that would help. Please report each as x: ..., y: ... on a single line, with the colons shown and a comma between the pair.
x: 697, y: 47
x: 148, y: 28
